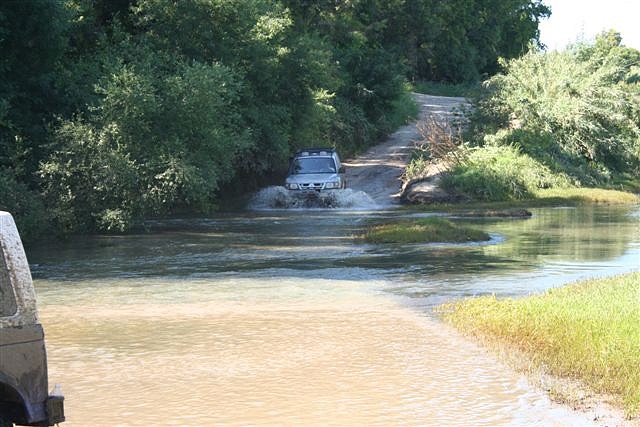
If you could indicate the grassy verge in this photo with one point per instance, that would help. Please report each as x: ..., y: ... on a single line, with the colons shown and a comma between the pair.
x: 446, y: 89
x: 544, y: 198
x: 585, y: 195
x: 588, y: 331
x: 423, y: 230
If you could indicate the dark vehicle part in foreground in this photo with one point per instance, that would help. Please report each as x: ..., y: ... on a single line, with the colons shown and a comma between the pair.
x: 24, y: 397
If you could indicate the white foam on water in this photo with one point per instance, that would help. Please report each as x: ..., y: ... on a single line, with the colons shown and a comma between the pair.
x: 277, y: 197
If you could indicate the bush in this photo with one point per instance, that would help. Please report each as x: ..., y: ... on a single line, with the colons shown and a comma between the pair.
x: 25, y: 205
x: 496, y: 173
x: 403, y: 110
x: 575, y: 111
x: 91, y: 174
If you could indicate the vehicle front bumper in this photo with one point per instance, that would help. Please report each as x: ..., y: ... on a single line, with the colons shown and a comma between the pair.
x: 312, y: 187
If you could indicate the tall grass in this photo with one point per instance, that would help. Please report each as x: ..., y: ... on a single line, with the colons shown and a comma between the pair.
x: 495, y: 173
x: 588, y: 331
x: 586, y: 195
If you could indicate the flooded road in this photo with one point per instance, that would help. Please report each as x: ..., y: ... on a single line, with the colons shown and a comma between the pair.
x: 283, y: 318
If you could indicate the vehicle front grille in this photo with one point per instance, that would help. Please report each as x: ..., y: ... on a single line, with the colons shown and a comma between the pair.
x: 312, y: 186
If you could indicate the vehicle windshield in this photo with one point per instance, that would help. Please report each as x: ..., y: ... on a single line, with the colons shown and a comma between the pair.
x: 303, y: 165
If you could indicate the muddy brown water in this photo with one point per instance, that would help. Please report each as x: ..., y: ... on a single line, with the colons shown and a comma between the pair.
x: 282, y: 318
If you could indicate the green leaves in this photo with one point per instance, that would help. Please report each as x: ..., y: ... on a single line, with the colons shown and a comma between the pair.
x: 574, y: 110
x: 116, y: 110
x: 496, y: 173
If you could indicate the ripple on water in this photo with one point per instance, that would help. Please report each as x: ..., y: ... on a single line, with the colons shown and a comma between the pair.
x: 342, y: 358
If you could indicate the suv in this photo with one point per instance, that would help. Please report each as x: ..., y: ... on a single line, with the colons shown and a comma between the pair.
x: 24, y: 399
x: 315, y: 169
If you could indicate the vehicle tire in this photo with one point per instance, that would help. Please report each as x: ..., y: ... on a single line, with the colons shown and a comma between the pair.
x: 4, y: 422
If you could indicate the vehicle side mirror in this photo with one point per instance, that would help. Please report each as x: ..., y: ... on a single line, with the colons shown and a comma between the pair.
x: 341, y: 170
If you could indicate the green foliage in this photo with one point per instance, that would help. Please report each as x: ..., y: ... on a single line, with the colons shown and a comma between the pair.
x: 418, y: 167
x: 91, y: 175
x: 455, y: 41
x: 403, y: 110
x: 32, y: 40
x: 113, y: 110
x: 495, y: 173
x: 589, y: 330
x: 466, y: 90
x: 576, y: 111
x: 175, y: 137
x: 25, y: 205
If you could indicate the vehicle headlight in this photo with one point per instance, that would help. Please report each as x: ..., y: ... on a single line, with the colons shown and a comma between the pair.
x: 332, y: 184
x: 291, y: 186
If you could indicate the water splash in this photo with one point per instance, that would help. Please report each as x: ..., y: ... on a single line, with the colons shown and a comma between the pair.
x: 277, y: 197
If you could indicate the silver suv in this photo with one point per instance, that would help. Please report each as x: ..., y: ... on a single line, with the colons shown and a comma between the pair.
x: 24, y: 396
x: 315, y: 169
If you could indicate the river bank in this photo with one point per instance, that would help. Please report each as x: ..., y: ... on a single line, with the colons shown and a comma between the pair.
x: 556, y: 197
x: 587, y: 333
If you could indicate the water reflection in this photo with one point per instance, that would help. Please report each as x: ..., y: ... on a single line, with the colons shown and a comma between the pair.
x: 571, y: 234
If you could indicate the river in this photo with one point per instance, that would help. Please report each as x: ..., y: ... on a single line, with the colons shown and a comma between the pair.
x: 283, y: 318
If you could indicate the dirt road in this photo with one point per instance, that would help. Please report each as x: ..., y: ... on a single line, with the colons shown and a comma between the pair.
x: 377, y: 172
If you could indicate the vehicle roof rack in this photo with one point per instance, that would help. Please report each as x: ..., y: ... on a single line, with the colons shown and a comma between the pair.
x: 316, y: 151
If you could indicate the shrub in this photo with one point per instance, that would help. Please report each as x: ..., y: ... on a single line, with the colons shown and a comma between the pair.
x: 25, y: 205
x: 575, y: 111
x: 89, y: 175
x: 495, y: 173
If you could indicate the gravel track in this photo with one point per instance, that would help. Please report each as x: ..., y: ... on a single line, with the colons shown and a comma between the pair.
x: 378, y: 171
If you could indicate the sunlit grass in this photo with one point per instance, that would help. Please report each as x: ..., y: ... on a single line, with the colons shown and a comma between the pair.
x: 587, y: 195
x: 588, y: 331
x: 423, y: 230
x: 546, y: 198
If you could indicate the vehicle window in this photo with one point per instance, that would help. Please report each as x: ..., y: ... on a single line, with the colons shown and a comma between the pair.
x: 7, y: 297
x: 313, y: 165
